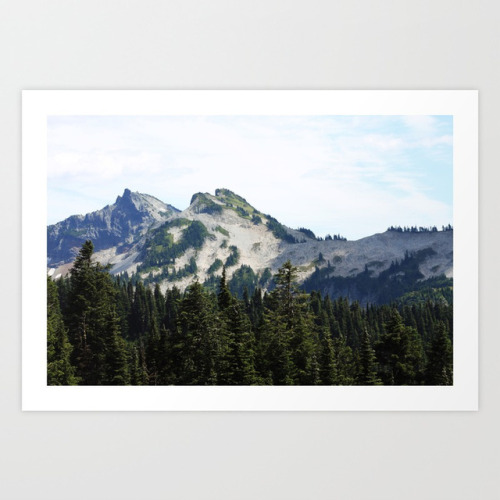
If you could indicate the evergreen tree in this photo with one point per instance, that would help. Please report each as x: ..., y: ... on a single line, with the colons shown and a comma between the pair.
x: 99, y: 353
x: 345, y: 362
x: 328, y: 366
x: 236, y: 341
x: 116, y: 357
x: 224, y: 297
x: 289, y: 342
x: 439, y: 370
x: 283, y: 337
x: 399, y: 352
x: 368, y: 365
x: 59, y: 368
x: 198, y: 349
x: 140, y: 314
x: 155, y: 354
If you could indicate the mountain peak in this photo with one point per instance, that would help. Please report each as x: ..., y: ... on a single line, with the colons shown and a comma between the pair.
x: 117, y: 225
x: 127, y: 195
x: 229, y: 196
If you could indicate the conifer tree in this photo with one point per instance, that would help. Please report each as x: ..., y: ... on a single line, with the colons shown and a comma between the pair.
x: 159, y: 300
x: 139, y: 317
x: 224, y: 297
x: 368, y: 366
x: 198, y: 348
x: 399, y: 352
x: 116, y: 357
x: 439, y: 370
x: 289, y: 343
x: 99, y: 354
x: 236, y: 341
x: 59, y: 368
x: 328, y: 367
x: 153, y: 353
x: 345, y: 362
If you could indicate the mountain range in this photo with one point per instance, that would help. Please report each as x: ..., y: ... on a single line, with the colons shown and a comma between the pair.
x: 140, y: 236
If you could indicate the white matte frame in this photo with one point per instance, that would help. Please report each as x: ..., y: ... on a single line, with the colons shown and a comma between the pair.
x: 38, y: 105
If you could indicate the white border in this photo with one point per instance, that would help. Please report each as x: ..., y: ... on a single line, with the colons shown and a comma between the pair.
x: 38, y: 105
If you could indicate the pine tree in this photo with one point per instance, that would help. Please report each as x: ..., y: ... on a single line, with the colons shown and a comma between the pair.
x: 59, y: 368
x: 198, y: 348
x: 235, y: 338
x: 345, y: 362
x: 289, y: 343
x: 328, y: 367
x: 140, y: 315
x: 224, y: 297
x: 399, y: 352
x: 99, y: 352
x: 439, y: 370
x: 116, y: 357
x: 368, y: 366
x: 154, y: 354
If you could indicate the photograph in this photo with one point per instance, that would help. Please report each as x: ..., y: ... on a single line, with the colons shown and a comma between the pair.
x: 250, y: 250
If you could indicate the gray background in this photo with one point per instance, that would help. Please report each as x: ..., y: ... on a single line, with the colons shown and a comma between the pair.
x: 257, y: 44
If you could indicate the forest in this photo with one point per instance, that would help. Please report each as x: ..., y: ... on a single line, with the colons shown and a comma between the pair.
x: 107, y: 330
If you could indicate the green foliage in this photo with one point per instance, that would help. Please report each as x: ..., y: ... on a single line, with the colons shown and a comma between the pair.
x: 238, y: 204
x: 223, y: 231
x: 242, y: 278
x: 368, y: 362
x: 234, y: 257
x: 205, y: 205
x: 99, y: 351
x: 179, y: 222
x: 279, y: 230
x: 400, y: 353
x: 437, y: 289
x: 215, y: 266
x: 266, y: 279
x: 256, y: 219
x: 439, y: 369
x: 288, y: 333
x: 198, y: 346
x: 307, y: 232
x: 105, y: 331
x: 59, y: 368
x: 161, y: 250
x: 399, y: 282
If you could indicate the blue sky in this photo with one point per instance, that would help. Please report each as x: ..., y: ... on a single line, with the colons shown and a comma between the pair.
x: 353, y: 175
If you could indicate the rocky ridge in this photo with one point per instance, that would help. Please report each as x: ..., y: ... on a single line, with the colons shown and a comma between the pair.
x: 140, y: 234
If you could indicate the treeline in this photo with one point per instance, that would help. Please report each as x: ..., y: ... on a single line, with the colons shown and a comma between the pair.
x: 105, y: 331
x: 392, y: 284
x: 328, y: 237
x: 419, y: 229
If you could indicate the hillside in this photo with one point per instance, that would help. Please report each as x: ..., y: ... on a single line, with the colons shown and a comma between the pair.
x: 144, y: 237
x: 115, y: 227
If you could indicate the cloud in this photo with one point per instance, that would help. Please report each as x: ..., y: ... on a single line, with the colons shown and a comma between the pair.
x: 421, y: 125
x: 354, y: 175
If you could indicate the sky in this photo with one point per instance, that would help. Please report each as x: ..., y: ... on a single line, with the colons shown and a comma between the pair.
x: 348, y: 175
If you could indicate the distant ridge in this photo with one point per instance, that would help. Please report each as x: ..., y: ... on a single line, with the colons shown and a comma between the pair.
x: 148, y: 239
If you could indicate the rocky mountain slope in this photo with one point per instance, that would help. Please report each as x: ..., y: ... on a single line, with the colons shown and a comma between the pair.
x: 145, y: 237
x: 116, y: 226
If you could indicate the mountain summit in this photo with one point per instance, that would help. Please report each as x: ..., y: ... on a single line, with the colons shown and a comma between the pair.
x: 141, y: 235
x: 117, y: 225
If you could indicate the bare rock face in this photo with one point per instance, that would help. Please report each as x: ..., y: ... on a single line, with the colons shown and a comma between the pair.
x: 119, y: 225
